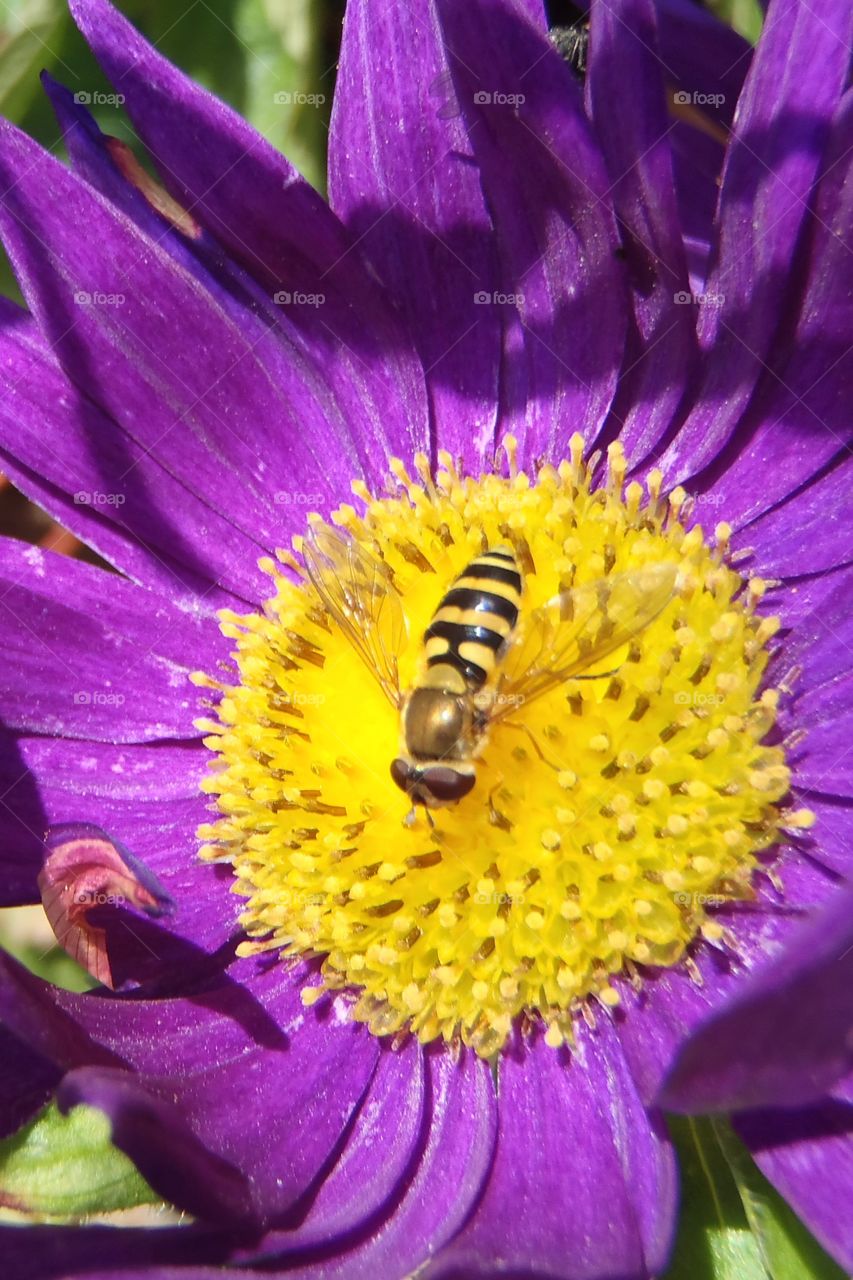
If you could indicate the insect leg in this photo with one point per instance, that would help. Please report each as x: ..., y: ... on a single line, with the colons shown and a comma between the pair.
x: 510, y: 724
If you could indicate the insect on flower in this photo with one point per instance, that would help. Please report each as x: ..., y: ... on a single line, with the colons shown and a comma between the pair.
x: 482, y: 657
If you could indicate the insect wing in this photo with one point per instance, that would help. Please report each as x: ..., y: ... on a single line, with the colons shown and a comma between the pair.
x: 578, y: 628
x: 356, y: 589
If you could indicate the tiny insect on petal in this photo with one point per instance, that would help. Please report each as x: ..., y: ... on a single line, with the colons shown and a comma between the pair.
x: 84, y: 869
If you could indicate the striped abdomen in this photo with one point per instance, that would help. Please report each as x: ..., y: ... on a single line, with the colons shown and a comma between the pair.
x: 476, y: 617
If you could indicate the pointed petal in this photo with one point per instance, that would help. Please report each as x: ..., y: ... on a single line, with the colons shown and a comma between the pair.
x: 458, y: 1142
x: 800, y: 419
x: 662, y: 345
x: 782, y: 127
x: 579, y: 1162
x: 174, y: 363
x: 91, y: 656
x: 271, y: 221
x: 547, y: 188
x: 785, y: 1038
x: 273, y: 1104
x: 413, y: 202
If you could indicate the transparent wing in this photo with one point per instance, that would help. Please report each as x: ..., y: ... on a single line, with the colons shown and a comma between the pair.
x: 356, y: 589
x: 579, y: 628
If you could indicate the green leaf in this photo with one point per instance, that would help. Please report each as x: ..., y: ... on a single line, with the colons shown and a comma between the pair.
x: 286, y: 98
x: 30, y: 38
x: 745, y: 16
x: 788, y: 1250
x: 26, y: 934
x: 66, y: 1167
x: 733, y: 1224
x: 261, y: 56
x: 715, y: 1241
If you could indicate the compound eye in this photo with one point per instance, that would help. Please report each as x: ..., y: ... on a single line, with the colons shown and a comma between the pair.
x: 402, y: 773
x: 447, y: 784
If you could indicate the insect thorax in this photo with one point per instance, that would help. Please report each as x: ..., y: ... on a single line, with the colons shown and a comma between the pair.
x: 437, y: 724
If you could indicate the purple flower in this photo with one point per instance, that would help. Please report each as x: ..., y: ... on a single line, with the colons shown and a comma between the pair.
x: 462, y: 1064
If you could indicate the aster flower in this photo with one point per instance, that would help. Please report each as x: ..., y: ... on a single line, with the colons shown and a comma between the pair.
x: 461, y: 1060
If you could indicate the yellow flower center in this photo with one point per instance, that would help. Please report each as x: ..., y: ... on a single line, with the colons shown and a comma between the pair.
x: 608, y: 818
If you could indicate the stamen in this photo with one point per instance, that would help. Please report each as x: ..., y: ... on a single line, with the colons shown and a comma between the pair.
x: 609, y: 820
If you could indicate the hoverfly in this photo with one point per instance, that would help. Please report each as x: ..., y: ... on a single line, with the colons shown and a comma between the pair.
x: 482, y: 655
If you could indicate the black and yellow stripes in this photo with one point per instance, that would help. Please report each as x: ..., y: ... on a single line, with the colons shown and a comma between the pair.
x: 475, y: 619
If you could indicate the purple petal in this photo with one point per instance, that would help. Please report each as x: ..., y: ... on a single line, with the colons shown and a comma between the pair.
x: 818, y: 636
x: 165, y: 1149
x: 115, y: 496
x: 705, y: 59
x: 655, y: 1023
x: 370, y: 1171
x: 412, y: 200
x: 266, y: 1087
x: 808, y: 1156
x: 703, y: 56
x: 784, y: 113
x: 459, y: 1139
x: 580, y: 1163
x: 831, y: 842
x: 547, y: 189
x: 51, y: 1253
x: 271, y: 221
x: 805, y: 534
x: 785, y: 1038
x: 800, y: 418
x: 150, y: 794
x: 662, y: 348
x: 27, y: 1081
x: 229, y: 412
x: 91, y: 656
x: 85, y: 869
